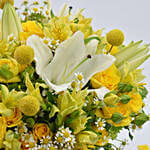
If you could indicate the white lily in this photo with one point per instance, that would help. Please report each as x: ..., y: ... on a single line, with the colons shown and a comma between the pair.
x: 70, y: 58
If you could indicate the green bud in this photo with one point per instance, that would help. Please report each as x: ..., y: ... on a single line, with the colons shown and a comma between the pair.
x: 141, y: 119
x: 30, y: 122
x: 11, y: 24
x: 111, y: 99
x: 117, y: 117
x: 125, y: 99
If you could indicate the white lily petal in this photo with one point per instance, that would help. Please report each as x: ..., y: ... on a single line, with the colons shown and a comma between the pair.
x: 91, y: 47
x: 43, y: 55
x: 100, y: 92
x: 95, y: 64
x: 57, y: 88
x: 68, y: 55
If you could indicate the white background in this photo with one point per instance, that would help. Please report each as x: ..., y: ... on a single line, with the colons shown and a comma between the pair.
x: 131, y: 16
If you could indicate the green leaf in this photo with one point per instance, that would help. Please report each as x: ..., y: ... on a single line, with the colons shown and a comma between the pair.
x: 52, y: 14
x: 125, y: 99
x: 72, y: 117
x: 5, y: 72
x: 117, y: 117
x: 143, y: 92
x: 86, y: 41
x: 141, y: 119
x: 59, y: 120
x: 76, y: 20
x: 114, y: 131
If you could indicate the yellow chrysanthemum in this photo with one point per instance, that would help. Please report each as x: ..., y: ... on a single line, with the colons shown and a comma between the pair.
x: 115, y: 37
x: 143, y: 147
x: 108, y: 78
x: 24, y: 54
x: 30, y: 28
x: 59, y: 28
x: 29, y: 105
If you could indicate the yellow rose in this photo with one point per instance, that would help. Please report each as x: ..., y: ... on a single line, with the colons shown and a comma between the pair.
x: 40, y: 130
x: 108, y: 78
x: 2, y: 129
x: 30, y: 28
x: 14, y: 120
x: 135, y: 104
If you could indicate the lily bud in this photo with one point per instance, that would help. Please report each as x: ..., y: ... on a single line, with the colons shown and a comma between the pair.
x: 3, y: 2
x: 10, y: 22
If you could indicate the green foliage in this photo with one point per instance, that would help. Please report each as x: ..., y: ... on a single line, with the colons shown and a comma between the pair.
x: 141, y: 119
x: 143, y: 92
x: 5, y: 72
x: 117, y: 117
x: 125, y: 99
x: 114, y: 131
x: 124, y: 87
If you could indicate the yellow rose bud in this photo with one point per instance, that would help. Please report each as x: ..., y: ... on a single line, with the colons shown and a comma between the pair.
x: 14, y: 120
x: 2, y: 130
x: 40, y: 130
x: 29, y: 105
x: 24, y: 54
x: 111, y: 99
x: 2, y: 3
x: 115, y: 37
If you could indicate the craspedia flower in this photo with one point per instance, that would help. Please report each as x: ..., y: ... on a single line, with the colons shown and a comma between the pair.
x: 24, y: 54
x: 115, y: 37
x: 2, y: 3
x: 29, y: 105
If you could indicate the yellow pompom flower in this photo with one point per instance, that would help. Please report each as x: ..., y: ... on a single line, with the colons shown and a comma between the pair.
x: 24, y: 54
x: 2, y: 3
x: 115, y: 37
x: 108, y: 78
x: 143, y: 147
x: 29, y: 105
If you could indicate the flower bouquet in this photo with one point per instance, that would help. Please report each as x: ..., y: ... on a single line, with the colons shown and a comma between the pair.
x: 64, y: 86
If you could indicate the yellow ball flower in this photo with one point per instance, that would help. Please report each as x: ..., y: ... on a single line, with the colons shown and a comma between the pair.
x: 2, y: 3
x: 24, y: 54
x: 29, y: 105
x: 115, y: 37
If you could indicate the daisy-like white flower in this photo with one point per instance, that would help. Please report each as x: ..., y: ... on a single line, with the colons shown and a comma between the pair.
x: 100, y: 124
x: 21, y: 129
x: 65, y: 139
x: 45, y: 142
x: 71, y: 56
